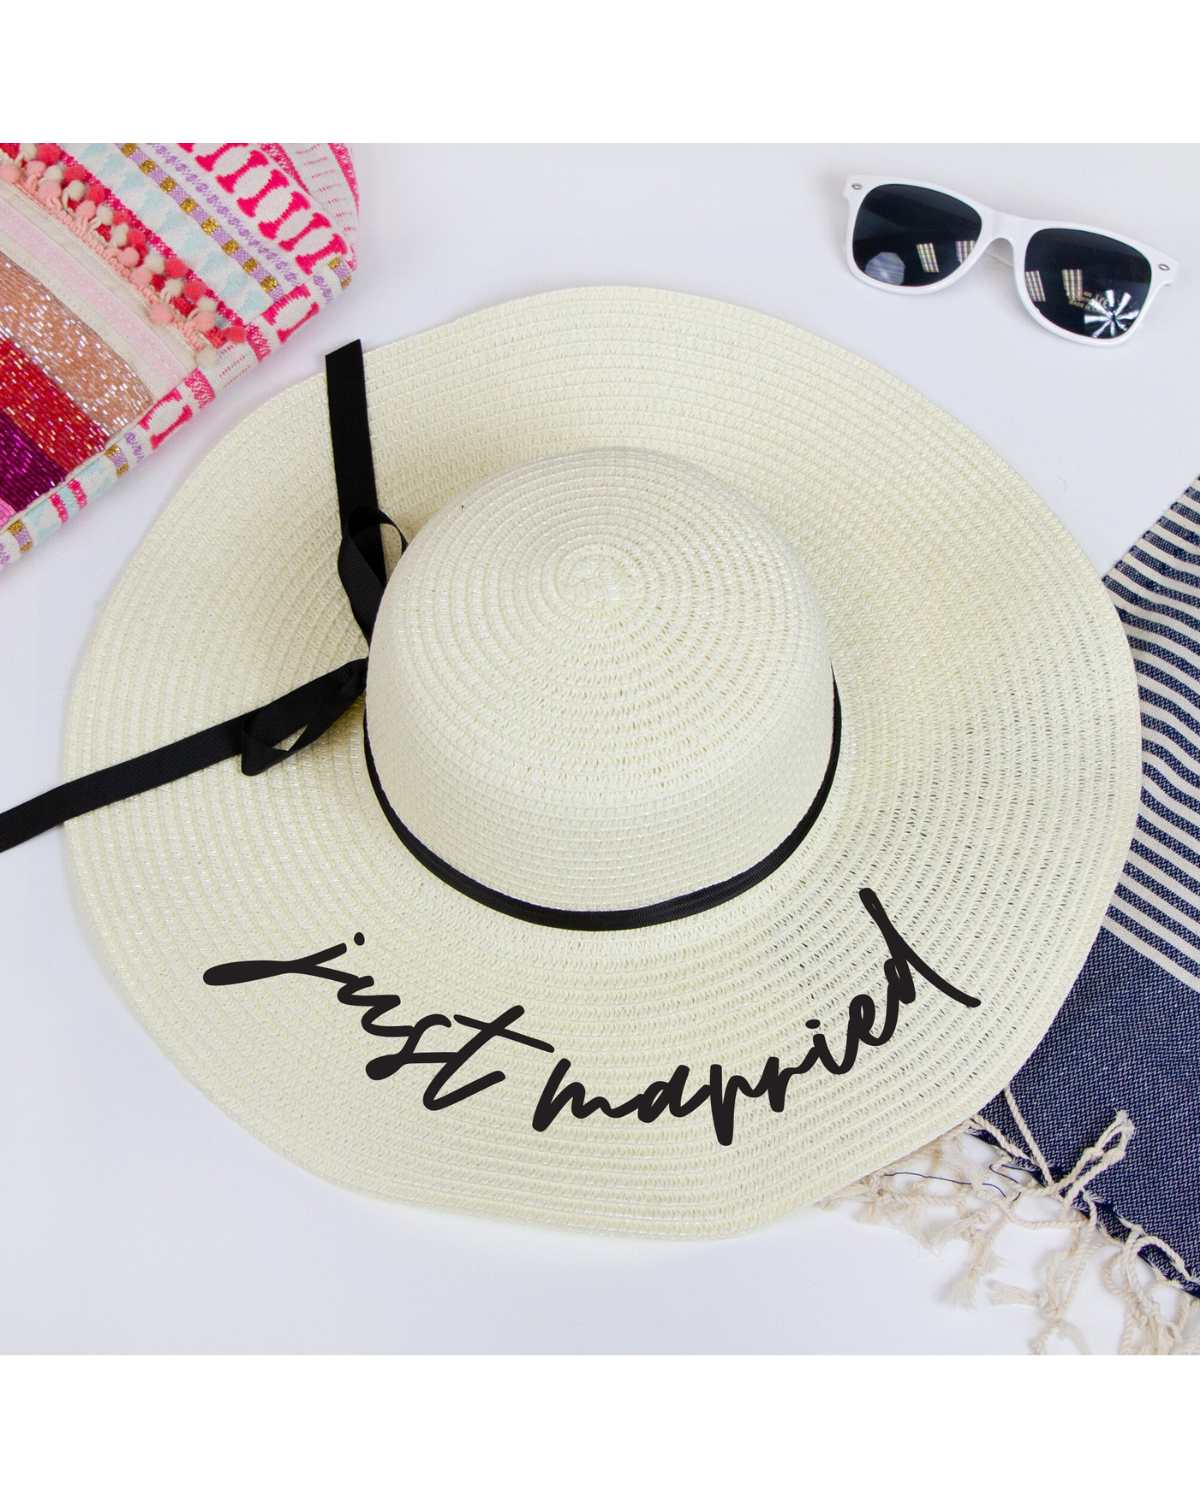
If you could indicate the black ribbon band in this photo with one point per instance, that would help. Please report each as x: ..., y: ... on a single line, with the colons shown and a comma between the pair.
x: 670, y: 910
x: 304, y: 714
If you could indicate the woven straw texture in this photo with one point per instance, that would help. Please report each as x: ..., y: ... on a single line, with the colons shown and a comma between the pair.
x: 987, y: 787
x: 600, y: 681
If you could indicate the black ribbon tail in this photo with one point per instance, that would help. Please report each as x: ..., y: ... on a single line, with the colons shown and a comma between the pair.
x: 360, y: 557
x: 97, y: 789
x: 306, y: 712
x: 350, y: 437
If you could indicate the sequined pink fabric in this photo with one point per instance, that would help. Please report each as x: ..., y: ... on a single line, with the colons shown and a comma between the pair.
x: 100, y: 383
x: 25, y: 471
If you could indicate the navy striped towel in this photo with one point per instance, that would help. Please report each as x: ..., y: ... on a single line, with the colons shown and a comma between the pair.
x: 1128, y: 1036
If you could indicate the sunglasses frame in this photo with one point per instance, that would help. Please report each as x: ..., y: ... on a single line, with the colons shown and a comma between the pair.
x: 1017, y: 232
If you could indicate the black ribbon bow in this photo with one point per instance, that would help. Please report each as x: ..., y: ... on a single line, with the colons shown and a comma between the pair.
x: 301, y: 716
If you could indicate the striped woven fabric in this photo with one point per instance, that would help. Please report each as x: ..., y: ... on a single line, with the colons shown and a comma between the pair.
x: 137, y: 281
x: 1156, y: 587
x: 1128, y: 1036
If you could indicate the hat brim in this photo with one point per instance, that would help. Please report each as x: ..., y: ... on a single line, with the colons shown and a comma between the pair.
x: 986, y: 791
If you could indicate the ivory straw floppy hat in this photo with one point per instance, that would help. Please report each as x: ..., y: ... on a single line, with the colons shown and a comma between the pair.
x: 748, y: 761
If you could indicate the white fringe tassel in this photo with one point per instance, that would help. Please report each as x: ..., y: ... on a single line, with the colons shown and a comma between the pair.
x: 961, y: 1188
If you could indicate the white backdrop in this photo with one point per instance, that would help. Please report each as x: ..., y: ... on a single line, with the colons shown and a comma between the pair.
x: 135, y: 1216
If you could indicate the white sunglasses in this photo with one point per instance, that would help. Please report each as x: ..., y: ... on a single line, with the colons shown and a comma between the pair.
x: 1078, y: 282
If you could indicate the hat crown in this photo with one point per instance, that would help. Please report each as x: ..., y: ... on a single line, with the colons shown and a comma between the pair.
x: 600, y: 681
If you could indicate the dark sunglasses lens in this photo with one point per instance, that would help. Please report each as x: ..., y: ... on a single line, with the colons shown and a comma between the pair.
x: 1086, y: 283
x: 912, y: 236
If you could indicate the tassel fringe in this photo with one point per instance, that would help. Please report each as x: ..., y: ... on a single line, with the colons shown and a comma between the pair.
x: 972, y: 1183
x: 173, y: 297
